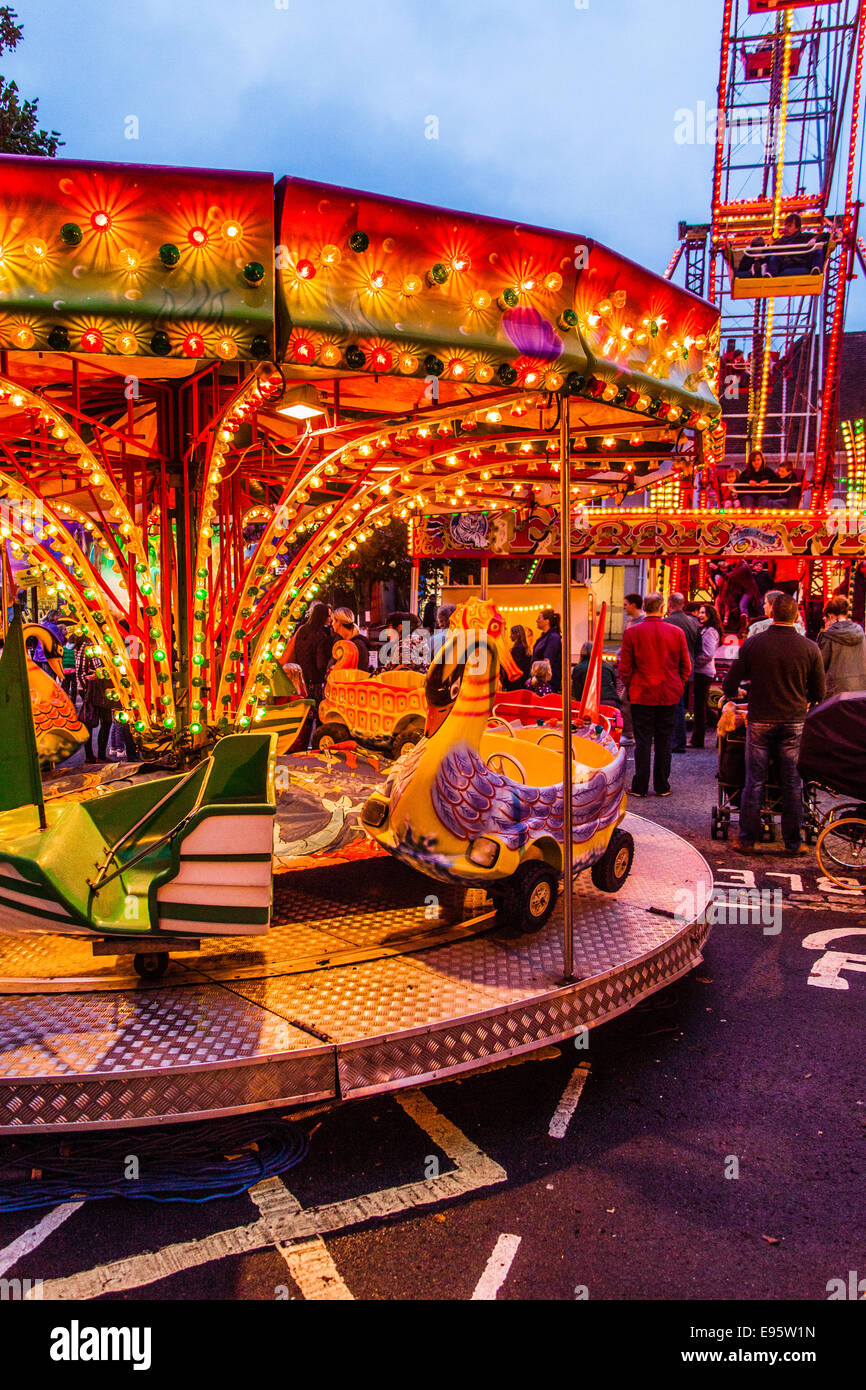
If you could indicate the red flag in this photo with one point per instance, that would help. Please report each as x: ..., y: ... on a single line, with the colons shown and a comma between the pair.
x: 591, y: 700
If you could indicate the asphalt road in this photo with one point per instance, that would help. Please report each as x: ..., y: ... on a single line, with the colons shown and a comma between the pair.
x: 715, y: 1150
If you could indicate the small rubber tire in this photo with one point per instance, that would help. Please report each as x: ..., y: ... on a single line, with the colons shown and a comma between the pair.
x: 328, y: 734
x: 150, y: 965
x: 404, y: 741
x: 526, y: 900
x: 611, y: 871
x: 714, y: 824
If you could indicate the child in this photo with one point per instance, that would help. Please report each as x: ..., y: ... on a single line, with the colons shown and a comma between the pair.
x: 540, y: 678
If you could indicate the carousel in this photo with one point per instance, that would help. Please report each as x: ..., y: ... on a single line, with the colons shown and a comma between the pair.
x: 214, y: 393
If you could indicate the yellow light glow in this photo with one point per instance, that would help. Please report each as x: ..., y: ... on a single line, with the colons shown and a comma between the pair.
x: 36, y: 249
x: 483, y: 372
x: 407, y: 363
x: 330, y: 254
x: 24, y: 336
x: 481, y: 300
x: 232, y: 230
x: 331, y: 355
x: 412, y: 285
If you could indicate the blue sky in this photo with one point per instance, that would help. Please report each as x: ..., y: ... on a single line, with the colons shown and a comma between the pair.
x: 547, y: 112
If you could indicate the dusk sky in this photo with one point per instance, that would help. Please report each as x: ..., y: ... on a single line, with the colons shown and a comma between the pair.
x: 548, y: 113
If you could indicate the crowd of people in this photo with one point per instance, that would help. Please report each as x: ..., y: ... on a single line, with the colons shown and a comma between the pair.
x: 667, y: 662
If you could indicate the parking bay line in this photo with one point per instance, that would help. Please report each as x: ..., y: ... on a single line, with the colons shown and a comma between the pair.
x: 568, y: 1103
x: 285, y: 1223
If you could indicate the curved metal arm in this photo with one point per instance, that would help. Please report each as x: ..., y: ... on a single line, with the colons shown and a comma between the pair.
x: 130, y: 834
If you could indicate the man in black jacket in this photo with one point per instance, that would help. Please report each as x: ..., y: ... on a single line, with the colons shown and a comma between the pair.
x: 785, y: 675
x: 691, y: 630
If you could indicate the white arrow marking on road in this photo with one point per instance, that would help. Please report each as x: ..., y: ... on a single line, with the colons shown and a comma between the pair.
x: 568, y: 1104
x: 496, y: 1271
x: 34, y: 1237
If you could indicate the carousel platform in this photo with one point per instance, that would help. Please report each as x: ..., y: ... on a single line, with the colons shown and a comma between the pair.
x: 366, y: 983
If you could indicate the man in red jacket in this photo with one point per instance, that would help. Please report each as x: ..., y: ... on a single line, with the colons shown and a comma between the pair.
x: 654, y: 665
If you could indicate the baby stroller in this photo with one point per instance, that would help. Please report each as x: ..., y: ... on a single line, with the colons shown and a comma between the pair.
x: 731, y: 778
x: 833, y: 758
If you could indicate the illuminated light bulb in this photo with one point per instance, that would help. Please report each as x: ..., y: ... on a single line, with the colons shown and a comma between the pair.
x: 193, y: 345
x: 609, y: 441
x: 493, y: 417
x: 532, y: 378
x: 553, y: 282
x: 593, y: 320
x: 412, y: 284
x: 381, y: 360
x: 227, y: 348
x: 643, y: 403
x: 452, y: 460
x: 641, y: 338
x: 461, y: 264
x: 303, y: 350
x: 91, y: 340
x: 626, y: 332
x: 231, y: 230
x: 378, y: 281
x: 481, y: 300
x: 526, y: 286
x: 610, y: 392
x: 483, y: 372
x: 36, y: 249
x: 457, y: 367
x: 100, y: 221
x: 554, y: 381
x: 385, y: 489
x: 365, y: 450
x: 197, y: 236
x: 331, y: 354
x: 128, y: 259
x: 306, y: 270
x: 24, y: 336
x: 408, y: 363
x: 636, y: 439
x: 701, y: 423
x: 701, y: 343
x: 330, y: 254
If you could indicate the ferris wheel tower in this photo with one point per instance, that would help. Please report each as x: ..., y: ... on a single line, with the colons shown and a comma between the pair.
x: 790, y: 110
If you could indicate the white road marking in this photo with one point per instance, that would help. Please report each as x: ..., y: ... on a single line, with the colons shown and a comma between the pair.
x: 308, y: 1261
x: 285, y: 1223
x: 34, y: 1237
x: 568, y: 1104
x: 496, y: 1270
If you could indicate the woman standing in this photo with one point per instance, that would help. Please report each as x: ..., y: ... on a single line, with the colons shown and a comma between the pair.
x: 549, y: 646
x: 521, y: 656
x: 312, y: 650
x: 705, y: 668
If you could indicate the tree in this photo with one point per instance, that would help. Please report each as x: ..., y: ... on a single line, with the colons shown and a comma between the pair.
x: 384, y: 557
x: 18, y: 132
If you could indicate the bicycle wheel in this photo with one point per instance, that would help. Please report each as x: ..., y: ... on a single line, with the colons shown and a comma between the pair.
x: 841, y: 852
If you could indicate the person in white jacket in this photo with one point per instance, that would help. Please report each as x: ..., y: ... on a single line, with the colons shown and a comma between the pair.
x: 705, y: 668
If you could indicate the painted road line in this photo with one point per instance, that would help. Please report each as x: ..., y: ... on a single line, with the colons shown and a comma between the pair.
x: 308, y: 1261
x: 497, y: 1268
x: 33, y: 1238
x: 285, y: 1223
x: 568, y: 1104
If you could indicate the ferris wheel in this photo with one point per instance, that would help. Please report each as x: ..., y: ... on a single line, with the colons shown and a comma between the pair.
x: 778, y: 255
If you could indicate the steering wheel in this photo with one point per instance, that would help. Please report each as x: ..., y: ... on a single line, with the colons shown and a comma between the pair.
x: 509, y: 758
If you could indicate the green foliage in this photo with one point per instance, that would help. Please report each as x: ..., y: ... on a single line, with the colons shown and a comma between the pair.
x: 385, y: 556
x: 18, y: 130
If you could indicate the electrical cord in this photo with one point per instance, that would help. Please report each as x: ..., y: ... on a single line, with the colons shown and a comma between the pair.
x: 196, y: 1163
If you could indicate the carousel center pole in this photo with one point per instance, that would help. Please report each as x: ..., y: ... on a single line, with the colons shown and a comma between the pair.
x: 567, y: 808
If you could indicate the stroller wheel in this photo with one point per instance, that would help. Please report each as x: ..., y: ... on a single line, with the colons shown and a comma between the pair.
x: 714, y: 823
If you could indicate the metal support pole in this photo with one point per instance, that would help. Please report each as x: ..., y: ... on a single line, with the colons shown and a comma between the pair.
x: 567, y: 808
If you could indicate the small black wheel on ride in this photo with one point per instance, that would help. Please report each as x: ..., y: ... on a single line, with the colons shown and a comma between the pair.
x: 328, y: 734
x: 611, y: 871
x: 150, y: 965
x: 714, y: 823
x: 527, y: 899
x: 404, y: 741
